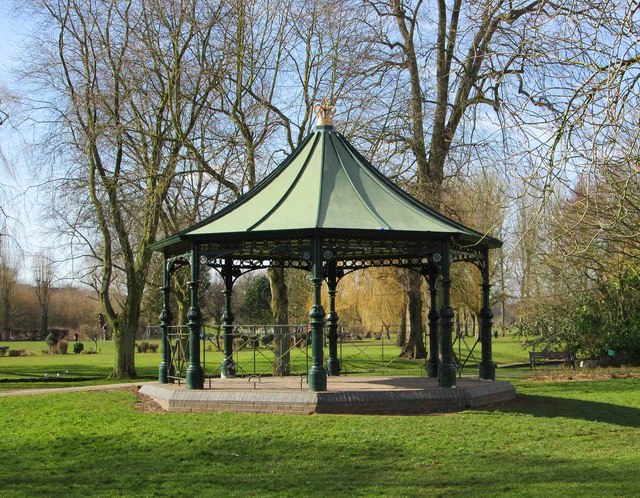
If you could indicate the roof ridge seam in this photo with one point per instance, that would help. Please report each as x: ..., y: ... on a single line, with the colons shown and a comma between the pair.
x: 289, y: 190
x: 251, y: 193
x: 416, y: 204
x: 319, y: 207
x: 374, y: 213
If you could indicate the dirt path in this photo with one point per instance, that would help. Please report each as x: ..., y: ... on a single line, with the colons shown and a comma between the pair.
x: 56, y: 390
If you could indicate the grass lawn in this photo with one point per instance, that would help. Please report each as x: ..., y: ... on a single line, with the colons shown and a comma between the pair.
x: 23, y: 372
x: 365, y: 357
x: 556, y: 439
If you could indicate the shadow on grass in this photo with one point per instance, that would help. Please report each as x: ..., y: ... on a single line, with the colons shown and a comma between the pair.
x: 551, y: 407
x: 244, y: 465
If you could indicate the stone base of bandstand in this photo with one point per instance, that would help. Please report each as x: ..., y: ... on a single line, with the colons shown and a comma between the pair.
x: 344, y: 395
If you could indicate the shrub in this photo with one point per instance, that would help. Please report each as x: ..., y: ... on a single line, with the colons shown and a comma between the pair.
x: 52, y: 340
x: 78, y: 347
x: 266, y: 339
x: 63, y: 347
x: 146, y: 347
x: 591, y: 322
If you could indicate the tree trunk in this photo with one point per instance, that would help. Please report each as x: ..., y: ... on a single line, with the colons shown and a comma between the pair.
x: 182, y: 305
x: 402, y: 333
x: 124, y: 328
x: 6, y: 313
x: 124, y: 340
x: 44, y: 320
x: 415, y: 345
x: 280, y: 313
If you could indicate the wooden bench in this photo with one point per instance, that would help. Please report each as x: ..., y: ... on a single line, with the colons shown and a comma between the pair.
x: 565, y: 356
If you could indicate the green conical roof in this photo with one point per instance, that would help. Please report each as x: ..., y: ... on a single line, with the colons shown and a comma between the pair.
x: 326, y: 185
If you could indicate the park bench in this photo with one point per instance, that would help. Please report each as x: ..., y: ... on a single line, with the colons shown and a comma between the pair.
x: 566, y: 356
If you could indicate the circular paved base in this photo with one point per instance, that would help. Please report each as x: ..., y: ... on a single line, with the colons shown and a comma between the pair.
x: 346, y: 395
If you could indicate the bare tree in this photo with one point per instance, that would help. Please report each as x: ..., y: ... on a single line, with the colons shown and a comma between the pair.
x: 126, y: 83
x: 8, y: 280
x: 287, y: 55
x: 43, y: 276
x: 460, y: 67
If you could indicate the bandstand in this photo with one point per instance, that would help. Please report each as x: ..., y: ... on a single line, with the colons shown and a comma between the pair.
x: 325, y: 209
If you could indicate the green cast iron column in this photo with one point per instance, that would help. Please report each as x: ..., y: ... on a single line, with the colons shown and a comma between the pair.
x: 333, y: 363
x: 448, y: 367
x: 317, y: 375
x: 487, y: 365
x: 228, y: 368
x: 195, y: 378
x: 165, y: 321
x: 434, y: 318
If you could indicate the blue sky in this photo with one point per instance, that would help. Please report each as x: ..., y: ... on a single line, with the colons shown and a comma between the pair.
x: 15, y: 175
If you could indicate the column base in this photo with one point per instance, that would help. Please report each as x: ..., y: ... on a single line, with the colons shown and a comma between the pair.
x: 447, y: 375
x: 317, y: 379
x: 228, y: 369
x: 487, y: 370
x: 195, y: 377
x: 163, y: 374
x: 432, y: 367
x: 333, y: 366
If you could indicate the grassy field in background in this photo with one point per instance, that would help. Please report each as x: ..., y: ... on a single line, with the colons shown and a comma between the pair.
x: 556, y: 439
x: 365, y: 357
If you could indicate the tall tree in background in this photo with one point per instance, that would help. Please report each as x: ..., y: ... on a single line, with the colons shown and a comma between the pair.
x: 477, y: 202
x: 8, y: 280
x: 158, y: 105
x: 43, y: 276
x: 287, y: 56
x: 127, y: 83
x: 485, y: 61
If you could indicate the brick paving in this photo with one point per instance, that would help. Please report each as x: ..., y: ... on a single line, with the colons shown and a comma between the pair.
x: 344, y: 395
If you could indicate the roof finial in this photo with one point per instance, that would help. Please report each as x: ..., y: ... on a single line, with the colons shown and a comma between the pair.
x: 324, y: 113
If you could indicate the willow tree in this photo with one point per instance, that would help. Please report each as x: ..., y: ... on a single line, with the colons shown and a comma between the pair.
x: 125, y: 85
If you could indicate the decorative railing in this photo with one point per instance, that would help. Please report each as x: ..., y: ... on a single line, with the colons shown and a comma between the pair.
x: 265, y: 350
x: 260, y: 350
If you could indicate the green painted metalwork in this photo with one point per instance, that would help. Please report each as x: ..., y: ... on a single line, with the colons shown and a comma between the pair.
x: 434, y: 318
x: 317, y: 376
x: 448, y: 366
x: 487, y: 368
x: 313, y: 189
x: 195, y: 376
x: 333, y: 363
x: 326, y: 203
x: 228, y: 368
x: 165, y: 321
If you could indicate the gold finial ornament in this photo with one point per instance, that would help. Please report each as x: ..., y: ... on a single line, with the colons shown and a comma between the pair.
x: 324, y: 113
